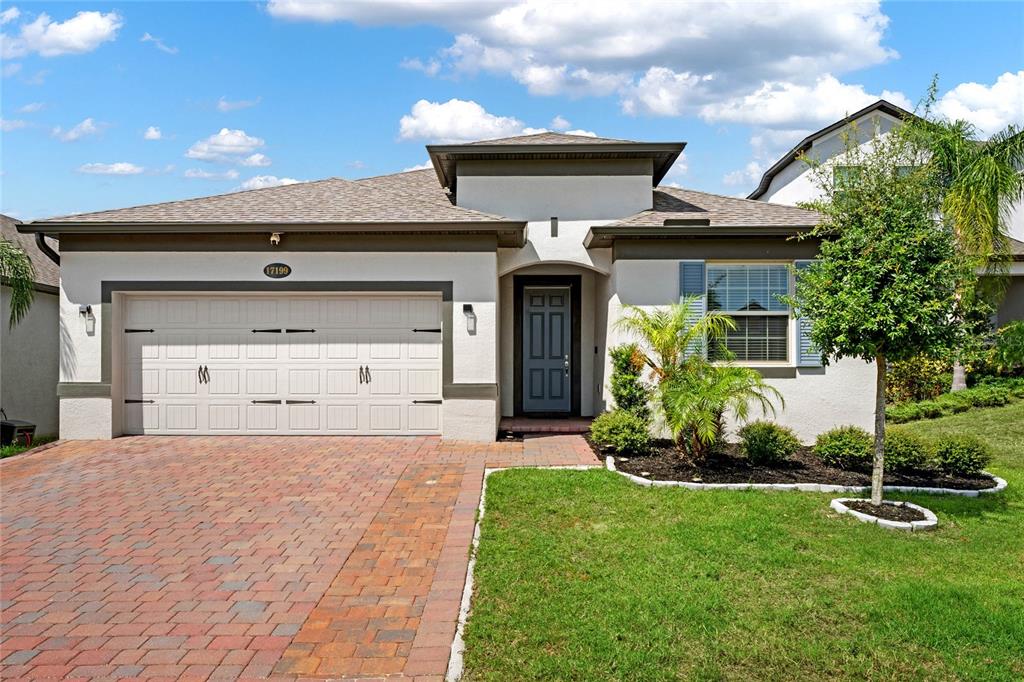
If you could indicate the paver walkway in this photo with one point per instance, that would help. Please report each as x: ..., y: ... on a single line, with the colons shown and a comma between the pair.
x: 224, y: 558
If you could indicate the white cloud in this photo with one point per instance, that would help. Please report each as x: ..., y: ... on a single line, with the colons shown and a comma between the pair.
x: 989, y: 107
x: 678, y: 171
x: 559, y: 123
x: 158, y: 43
x: 77, y: 132
x: 226, y: 105
x: 11, y: 68
x: 9, y: 15
x: 255, y: 161
x: 420, y: 166
x: 119, y: 168
x: 31, y: 108
x: 200, y: 174
x: 227, y: 146
x: 455, y: 121
x: 403, y: 12
x: 152, y: 133
x: 82, y: 33
x: 7, y: 125
x: 748, y: 175
x: 431, y: 67
x: 264, y: 181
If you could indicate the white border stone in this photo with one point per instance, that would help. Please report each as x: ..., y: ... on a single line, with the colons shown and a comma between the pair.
x: 1000, y: 485
x: 930, y: 520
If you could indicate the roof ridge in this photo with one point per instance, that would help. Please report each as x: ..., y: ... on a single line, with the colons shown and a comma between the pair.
x: 727, y: 196
x: 388, y: 175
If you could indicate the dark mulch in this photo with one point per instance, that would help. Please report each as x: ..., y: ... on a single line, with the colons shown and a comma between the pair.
x: 889, y: 512
x: 665, y: 463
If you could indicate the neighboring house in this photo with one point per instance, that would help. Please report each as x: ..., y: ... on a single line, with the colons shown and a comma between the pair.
x: 425, y: 302
x: 29, y: 352
x: 790, y: 181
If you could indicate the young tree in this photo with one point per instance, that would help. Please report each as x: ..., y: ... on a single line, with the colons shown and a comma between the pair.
x: 978, y: 182
x: 885, y: 285
x: 16, y: 272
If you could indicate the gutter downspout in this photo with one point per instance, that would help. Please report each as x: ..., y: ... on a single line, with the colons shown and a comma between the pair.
x: 45, y: 248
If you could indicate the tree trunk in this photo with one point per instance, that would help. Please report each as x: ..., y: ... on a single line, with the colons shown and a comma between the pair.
x: 878, y: 469
x: 959, y: 377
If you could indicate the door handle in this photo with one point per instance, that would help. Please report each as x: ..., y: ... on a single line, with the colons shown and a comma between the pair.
x: 369, y: 377
x: 206, y: 374
x: 360, y: 374
x: 566, y: 365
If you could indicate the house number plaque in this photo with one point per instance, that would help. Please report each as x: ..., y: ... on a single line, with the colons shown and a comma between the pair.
x: 277, y: 270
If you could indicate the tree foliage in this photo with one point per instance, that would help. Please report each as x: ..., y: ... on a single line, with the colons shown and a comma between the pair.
x: 16, y: 271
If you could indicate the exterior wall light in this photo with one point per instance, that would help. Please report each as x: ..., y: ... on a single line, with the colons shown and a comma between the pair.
x: 275, y: 238
x: 90, y: 320
x: 467, y: 310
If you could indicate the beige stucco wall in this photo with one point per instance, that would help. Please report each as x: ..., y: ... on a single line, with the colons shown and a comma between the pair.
x: 29, y: 361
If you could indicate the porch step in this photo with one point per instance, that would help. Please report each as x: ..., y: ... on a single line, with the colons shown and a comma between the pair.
x: 532, y: 425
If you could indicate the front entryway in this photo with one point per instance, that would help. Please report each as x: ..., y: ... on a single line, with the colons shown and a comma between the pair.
x: 299, y: 364
x: 547, y: 325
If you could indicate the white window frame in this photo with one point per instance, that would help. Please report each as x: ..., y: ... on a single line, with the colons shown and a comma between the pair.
x: 791, y: 330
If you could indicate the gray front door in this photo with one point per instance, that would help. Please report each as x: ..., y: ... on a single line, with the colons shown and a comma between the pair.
x: 547, y: 342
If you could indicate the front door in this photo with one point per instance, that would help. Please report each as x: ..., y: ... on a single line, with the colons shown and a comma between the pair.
x: 547, y: 343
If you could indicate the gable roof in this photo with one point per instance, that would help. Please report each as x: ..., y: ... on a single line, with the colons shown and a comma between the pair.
x: 673, y: 204
x: 47, y: 272
x: 805, y: 144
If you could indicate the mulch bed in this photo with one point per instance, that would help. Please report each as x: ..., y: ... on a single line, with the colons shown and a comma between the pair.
x: 664, y: 463
x: 889, y: 512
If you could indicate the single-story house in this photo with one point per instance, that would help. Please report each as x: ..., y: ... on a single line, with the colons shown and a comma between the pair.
x: 29, y: 351
x: 426, y: 302
x: 790, y: 181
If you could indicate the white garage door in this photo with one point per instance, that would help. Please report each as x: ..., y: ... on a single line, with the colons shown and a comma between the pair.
x: 288, y: 365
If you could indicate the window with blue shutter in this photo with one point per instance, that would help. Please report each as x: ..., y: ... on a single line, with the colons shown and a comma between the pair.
x: 692, y: 283
x: 807, y: 355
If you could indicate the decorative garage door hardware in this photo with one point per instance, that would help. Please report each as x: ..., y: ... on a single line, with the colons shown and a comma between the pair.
x: 426, y: 402
x: 265, y: 402
x: 133, y: 401
x: 138, y: 331
x: 431, y: 331
x: 299, y: 331
x: 204, y: 374
x: 300, y: 402
x: 267, y: 331
x: 364, y: 374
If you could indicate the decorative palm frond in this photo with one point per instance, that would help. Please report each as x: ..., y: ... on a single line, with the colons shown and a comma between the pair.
x: 16, y: 271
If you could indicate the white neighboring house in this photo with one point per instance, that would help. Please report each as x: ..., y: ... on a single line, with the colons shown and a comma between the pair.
x: 29, y: 352
x: 421, y: 303
x: 789, y: 181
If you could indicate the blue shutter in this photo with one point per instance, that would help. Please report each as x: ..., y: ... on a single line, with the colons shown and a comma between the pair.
x: 693, y: 282
x: 807, y: 355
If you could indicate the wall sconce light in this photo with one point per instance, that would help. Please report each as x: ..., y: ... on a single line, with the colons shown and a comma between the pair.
x: 90, y: 320
x: 275, y: 238
x: 467, y: 310
x: 554, y: 226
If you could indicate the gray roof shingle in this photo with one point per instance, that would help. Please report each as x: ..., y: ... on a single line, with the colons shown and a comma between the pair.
x: 47, y: 272
x: 552, y: 138
x: 672, y: 203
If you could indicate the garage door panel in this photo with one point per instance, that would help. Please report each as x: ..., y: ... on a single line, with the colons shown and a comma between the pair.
x: 385, y: 349
x: 303, y: 417
x: 261, y: 311
x: 261, y: 348
x: 342, y: 312
x: 386, y: 382
x: 343, y: 417
x: 424, y: 382
x: 225, y: 417
x: 181, y: 417
x: 224, y: 347
x: 225, y: 311
x: 424, y: 418
x: 343, y: 382
x: 181, y: 346
x: 181, y: 381
x: 303, y: 382
x: 261, y: 381
x: 181, y: 311
x: 261, y: 417
x: 385, y: 417
x: 225, y: 381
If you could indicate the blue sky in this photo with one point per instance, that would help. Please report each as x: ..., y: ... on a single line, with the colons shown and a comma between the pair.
x: 252, y: 94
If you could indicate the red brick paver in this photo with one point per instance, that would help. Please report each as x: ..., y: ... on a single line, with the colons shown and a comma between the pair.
x: 225, y: 558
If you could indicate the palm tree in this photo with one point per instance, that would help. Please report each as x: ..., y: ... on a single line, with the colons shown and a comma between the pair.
x: 979, y: 181
x: 694, y: 393
x: 16, y: 271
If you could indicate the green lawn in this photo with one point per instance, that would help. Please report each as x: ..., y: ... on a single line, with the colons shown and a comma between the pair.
x: 585, y: 576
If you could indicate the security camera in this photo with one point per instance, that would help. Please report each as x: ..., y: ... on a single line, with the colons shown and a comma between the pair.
x: 275, y: 238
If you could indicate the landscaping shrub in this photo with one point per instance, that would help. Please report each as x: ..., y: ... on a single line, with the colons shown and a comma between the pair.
x: 767, y: 443
x: 961, y: 455
x: 905, y: 450
x: 623, y: 430
x: 1007, y: 354
x: 929, y: 409
x: 904, y: 412
x: 919, y: 378
x: 628, y: 389
x: 846, y: 447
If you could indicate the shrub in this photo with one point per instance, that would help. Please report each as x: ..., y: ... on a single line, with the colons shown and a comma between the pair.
x: 904, y: 450
x: 918, y: 378
x: 929, y: 409
x: 845, y: 447
x: 628, y: 389
x: 622, y: 430
x: 904, y: 412
x: 954, y: 402
x: 767, y: 443
x: 1007, y: 354
x: 962, y: 455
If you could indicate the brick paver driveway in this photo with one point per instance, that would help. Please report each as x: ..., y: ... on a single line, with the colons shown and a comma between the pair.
x: 227, y: 557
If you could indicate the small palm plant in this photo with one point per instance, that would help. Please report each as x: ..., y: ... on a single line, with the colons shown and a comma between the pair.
x: 694, y: 394
x: 16, y: 272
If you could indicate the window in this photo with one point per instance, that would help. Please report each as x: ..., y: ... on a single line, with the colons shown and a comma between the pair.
x: 750, y: 294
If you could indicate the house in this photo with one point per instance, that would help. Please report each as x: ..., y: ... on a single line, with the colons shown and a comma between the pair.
x: 29, y: 350
x: 790, y: 181
x: 425, y: 302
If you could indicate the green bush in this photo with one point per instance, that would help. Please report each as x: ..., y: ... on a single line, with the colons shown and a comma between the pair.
x: 622, y: 430
x: 767, y: 443
x: 954, y: 402
x: 904, y: 412
x: 628, y: 389
x: 1007, y: 354
x: 845, y: 447
x: 961, y: 455
x: 919, y: 378
x: 992, y: 395
x: 929, y: 409
x: 904, y: 451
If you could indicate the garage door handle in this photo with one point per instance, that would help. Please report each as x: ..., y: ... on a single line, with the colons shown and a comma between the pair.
x: 265, y: 402
x: 426, y: 402
x: 266, y: 331
x: 369, y: 377
x: 300, y: 402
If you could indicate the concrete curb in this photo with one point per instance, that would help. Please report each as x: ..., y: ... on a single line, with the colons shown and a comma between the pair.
x: 806, y: 487
x: 930, y: 520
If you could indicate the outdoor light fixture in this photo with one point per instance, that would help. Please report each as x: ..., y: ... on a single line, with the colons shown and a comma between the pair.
x: 90, y: 320
x: 467, y: 310
x: 275, y: 238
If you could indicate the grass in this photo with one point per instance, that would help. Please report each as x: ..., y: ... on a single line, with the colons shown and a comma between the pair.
x: 585, y: 576
x: 18, y: 448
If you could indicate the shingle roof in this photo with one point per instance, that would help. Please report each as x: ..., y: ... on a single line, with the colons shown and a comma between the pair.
x: 47, y: 272
x: 323, y: 201
x: 672, y: 203
x: 553, y: 138
x: 422, y: 184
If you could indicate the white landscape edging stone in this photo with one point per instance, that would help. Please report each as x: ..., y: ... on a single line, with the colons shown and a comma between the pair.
x: 1000, y: 485
x: 930, y: 520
